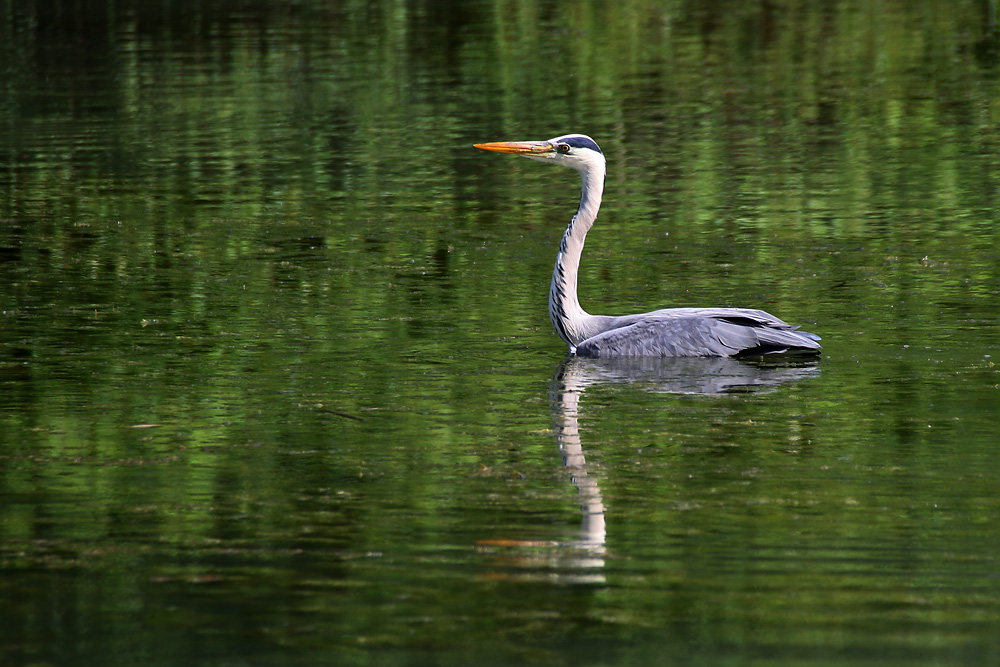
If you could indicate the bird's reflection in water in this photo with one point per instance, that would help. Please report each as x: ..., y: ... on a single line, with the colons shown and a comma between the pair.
x: 580, y: 559
x: 689, y: 375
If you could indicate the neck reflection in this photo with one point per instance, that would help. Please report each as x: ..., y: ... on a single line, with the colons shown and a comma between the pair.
x: 568, y: 385
x: 683, y: 375
x: 581, y: 559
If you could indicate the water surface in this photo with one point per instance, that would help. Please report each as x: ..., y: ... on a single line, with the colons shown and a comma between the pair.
x: 277, y: 384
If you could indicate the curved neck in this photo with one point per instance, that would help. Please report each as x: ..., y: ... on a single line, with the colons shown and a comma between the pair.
x: 568, y: 317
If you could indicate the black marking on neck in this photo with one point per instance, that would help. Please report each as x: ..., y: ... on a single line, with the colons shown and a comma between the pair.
x: 557, y: 298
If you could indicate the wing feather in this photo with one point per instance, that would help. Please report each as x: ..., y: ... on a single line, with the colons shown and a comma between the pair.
x: 699, y: 335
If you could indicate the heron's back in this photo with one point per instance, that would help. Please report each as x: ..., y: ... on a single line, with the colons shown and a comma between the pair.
x: 695, y: 332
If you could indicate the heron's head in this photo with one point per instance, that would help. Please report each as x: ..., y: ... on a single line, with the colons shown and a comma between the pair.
x: 570, y: 150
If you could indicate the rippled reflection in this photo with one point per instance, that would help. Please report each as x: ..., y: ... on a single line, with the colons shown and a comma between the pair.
x: 228, y: 227
x: 685, y: 375
x: 678, y: 376
x: 577, y: 559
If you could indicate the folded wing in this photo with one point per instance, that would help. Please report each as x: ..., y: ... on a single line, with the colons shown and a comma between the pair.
x: 699, y: 336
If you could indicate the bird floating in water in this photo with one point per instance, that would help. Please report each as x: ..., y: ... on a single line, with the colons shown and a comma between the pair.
x: 671, y: 332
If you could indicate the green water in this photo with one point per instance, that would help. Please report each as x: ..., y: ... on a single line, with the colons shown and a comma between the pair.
x: 277, y: 381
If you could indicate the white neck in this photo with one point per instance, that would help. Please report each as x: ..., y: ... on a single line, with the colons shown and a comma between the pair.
x: 572, y: 322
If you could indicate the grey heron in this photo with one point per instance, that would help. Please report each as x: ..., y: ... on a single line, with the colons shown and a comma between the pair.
x: 671, y: 332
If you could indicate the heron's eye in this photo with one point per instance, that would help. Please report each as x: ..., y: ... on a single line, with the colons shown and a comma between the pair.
x: 562, y: 148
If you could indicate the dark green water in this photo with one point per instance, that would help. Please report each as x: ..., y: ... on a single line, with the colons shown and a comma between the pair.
x: 277, y: 382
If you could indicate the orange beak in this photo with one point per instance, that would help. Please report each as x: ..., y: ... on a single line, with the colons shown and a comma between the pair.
x: 518, y: 147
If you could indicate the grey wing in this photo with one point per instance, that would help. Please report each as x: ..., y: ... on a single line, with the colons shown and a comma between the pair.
x: 695, y: 336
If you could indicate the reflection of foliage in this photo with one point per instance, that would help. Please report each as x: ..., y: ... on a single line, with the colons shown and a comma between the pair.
x: 798, y: 102
x: 151, y: 148
x: 225, y: 224
x: 201, y: 172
